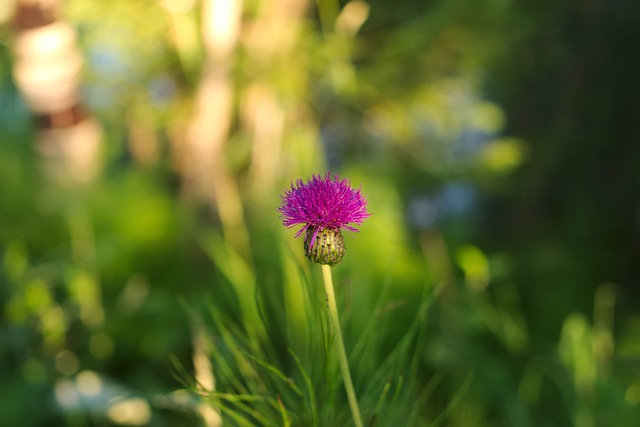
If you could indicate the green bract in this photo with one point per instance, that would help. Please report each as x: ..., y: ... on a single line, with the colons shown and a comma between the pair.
x: 328, y: 247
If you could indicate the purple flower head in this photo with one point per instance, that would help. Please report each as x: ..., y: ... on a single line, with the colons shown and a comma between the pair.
x: 322, y: 204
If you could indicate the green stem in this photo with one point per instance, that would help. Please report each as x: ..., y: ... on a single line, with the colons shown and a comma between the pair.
x: 342, y: 354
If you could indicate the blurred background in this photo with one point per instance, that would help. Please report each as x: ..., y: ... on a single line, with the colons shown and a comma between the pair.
x: 144, y: 145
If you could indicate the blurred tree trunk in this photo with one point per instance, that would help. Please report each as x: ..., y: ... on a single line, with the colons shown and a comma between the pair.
x: 48, y: 73
x: 271, y: 41
x: 205, y: 169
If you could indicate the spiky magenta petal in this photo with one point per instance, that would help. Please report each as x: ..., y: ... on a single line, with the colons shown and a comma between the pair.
x: 322, y: 203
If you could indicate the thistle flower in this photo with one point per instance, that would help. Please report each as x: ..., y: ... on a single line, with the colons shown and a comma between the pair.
x: 324, y: 206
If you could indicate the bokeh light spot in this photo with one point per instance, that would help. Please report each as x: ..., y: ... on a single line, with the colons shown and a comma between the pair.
x: 475, y: 265
x: 89, y: 383
x: 632, y: 396
x: 133, y: 411
x: 487, y: 117
x: 66, y: 394
x: 67, y: 362
x: 503, y: 155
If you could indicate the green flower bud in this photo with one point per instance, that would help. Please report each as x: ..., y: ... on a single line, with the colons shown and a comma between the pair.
x: 328, y: 247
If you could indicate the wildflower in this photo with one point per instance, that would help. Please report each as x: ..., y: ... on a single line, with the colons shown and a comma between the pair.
x: 324, y: 206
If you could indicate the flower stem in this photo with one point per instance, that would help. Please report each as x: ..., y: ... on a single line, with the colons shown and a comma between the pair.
x: 342, y: 354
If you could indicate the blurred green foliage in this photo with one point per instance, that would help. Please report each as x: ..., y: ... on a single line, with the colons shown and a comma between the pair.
x: 494, y: 284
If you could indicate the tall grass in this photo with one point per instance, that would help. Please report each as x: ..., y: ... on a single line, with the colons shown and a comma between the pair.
x: 290, y: 376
